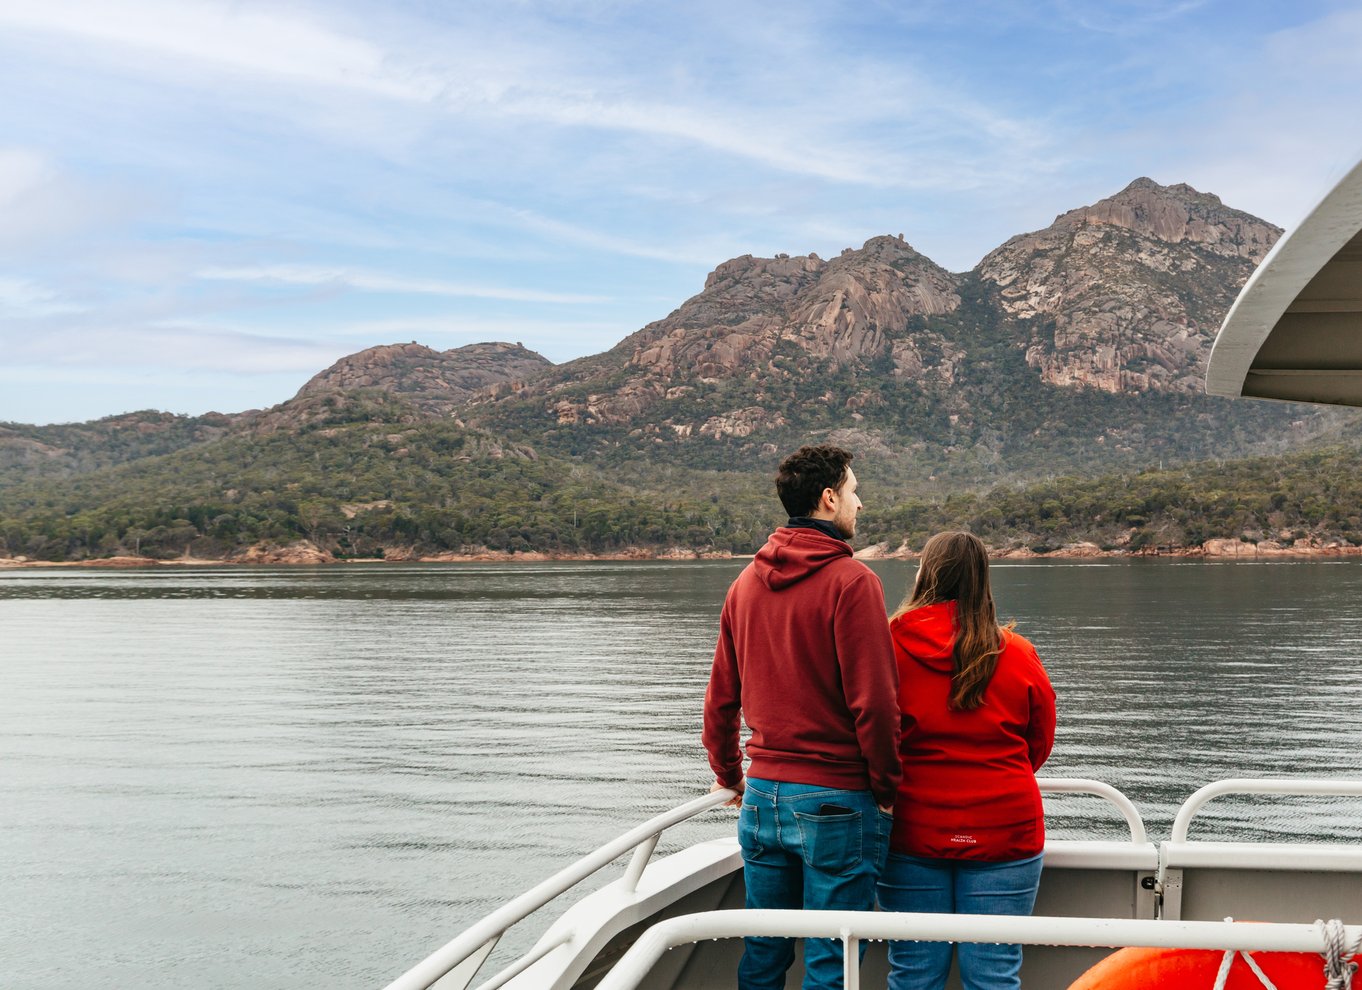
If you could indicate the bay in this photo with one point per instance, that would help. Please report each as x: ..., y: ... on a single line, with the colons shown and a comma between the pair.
x: 258, y: 777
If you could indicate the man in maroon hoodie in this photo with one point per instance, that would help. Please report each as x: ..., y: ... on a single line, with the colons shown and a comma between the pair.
x: 804, y: 655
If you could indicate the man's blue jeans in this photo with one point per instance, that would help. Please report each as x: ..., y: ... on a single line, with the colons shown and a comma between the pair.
x: 806, y: 846
x: 957, y: 886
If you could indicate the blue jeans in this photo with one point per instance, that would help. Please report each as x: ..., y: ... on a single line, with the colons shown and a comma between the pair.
x: 806, y: 846
x: 957, y: 886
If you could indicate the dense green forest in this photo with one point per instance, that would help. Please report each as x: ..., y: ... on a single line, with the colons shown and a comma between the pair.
x: 1315, y: 495
x: 365, y: 481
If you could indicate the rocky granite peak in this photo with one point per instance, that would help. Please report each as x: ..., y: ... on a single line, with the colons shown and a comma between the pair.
x: 436, y: 382
x: 743, y: 287
x: 782, y: 270
x: 863, y: 297
x: 835, y: 311
x: 1175, y: 214
x: 1126, y: 295
x: 760, y: 319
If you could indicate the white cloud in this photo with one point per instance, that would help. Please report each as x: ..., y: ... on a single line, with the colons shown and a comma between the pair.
x: 254, y: 39
x: 1123, y: 18
x: 472, y: 327
x: 571, y: 233
x: 718, y: 128
x: 316, y: 275
x: 22, y: 170
x: 863, y: 122
x: 166, y: 347
x: 22, y: 297
x: 41, y: 204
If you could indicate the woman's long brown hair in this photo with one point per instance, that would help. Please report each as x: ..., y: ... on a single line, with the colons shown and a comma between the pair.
x: 954, y: 567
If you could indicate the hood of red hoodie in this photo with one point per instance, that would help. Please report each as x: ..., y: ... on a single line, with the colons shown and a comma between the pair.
x: 927, y: 634
x: 792, y: 554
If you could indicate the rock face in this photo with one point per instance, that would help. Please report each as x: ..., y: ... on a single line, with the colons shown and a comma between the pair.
x: 301, y: 552
x: 436, y: 382
x: 837, y: 310
x: 1127, y: 294
x: 1123, y: 297
x: 1086, y: 340
x: 1270, y: 548
x: 758, y: 317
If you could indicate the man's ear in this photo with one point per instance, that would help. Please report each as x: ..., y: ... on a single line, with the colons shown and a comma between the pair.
x: 828, y: 500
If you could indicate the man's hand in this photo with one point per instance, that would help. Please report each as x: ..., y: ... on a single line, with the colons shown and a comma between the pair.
x: 889, y: 810
x: 733, y: 802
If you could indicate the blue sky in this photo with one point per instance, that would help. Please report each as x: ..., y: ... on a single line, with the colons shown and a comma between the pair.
x: 202, y: 204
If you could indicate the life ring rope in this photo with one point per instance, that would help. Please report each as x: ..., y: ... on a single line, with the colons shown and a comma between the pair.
x: 1339, y: 966
x: 1228, y: 961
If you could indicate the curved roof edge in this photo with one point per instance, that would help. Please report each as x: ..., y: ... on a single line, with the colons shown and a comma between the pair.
x: 1312, y: 333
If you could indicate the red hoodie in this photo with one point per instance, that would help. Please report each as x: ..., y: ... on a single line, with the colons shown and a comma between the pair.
x: 804, y: 654
x: 969, y: 784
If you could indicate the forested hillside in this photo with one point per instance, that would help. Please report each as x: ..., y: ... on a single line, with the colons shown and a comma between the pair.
x: 1050, y: 395
x: 364, y: 488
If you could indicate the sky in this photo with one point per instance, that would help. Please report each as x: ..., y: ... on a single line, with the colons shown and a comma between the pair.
x: 203, y: 204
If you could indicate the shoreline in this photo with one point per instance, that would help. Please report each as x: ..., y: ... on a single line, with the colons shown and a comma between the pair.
x: 307, y: 554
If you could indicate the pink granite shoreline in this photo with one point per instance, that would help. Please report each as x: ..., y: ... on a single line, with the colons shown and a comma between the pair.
x: 304, y: 553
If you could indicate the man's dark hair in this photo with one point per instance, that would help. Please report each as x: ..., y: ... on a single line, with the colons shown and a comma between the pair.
x: 803, y: 475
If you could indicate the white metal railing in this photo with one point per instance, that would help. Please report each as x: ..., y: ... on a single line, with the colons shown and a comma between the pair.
x: 455, y: 964
x: 852, y: 927
x: 1252, y: 785
x: 1096, y: 788
x: 469, y: 949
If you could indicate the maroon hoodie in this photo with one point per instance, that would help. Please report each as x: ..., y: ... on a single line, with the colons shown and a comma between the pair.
x: 969, y: 785
x: 804, y: 654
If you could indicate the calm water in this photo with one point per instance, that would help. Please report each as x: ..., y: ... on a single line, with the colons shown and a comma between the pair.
x: 260, y: 778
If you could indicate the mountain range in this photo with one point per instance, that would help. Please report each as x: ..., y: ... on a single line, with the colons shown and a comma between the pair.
x: 1074, y: 350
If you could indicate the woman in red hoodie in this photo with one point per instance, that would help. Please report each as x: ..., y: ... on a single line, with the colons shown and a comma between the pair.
x: 978, y: 721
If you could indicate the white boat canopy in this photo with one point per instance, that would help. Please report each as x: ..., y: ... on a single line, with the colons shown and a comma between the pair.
x: 1295, y: 332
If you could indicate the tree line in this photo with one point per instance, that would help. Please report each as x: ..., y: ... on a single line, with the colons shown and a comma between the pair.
x: 362, y: 489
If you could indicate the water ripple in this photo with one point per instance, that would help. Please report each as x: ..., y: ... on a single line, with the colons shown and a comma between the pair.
x: 243, y: 778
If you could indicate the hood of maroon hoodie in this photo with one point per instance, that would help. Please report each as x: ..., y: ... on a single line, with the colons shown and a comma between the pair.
x: 792, y: 554
x: 927, y: 634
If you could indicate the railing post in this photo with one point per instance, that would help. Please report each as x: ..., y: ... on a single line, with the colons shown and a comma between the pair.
x: 1096, y: 788
x: 1302, y: 786
x: 517, y: 967
x: 461, y: 976
x: 851, y: 960
x: 642, y: 854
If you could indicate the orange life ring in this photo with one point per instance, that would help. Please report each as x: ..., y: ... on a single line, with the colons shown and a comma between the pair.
x: 1196, y: 969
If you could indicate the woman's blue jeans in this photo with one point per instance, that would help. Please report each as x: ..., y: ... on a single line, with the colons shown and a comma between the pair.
x: 806, y: 846
x: 957, y: 886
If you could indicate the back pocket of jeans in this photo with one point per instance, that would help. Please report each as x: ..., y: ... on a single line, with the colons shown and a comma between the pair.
x: 749, y: 831
x: 831, y: 842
